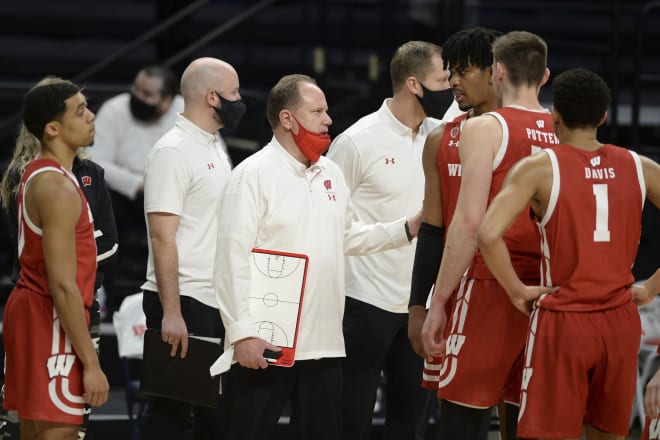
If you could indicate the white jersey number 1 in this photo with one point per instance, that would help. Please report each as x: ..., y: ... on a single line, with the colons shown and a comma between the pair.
x: 601, y: 233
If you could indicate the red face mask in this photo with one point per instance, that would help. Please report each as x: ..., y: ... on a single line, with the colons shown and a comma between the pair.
x: 312, y: 145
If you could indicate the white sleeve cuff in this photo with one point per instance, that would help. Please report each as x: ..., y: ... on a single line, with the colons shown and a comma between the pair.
x: 240, y: 330
x: 397, y: 231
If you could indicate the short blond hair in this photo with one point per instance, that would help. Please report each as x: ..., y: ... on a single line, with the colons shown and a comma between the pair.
x: 414, y: 58
x: 524, y: 55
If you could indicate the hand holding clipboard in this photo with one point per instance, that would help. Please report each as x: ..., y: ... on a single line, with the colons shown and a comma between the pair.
x: 275, y: 301
x: 276, y: 298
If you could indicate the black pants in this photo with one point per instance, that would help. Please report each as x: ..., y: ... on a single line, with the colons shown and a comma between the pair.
x: 167, y: 418
x: 377, y: 340
x: 254, y: 400
x: 460, y: 422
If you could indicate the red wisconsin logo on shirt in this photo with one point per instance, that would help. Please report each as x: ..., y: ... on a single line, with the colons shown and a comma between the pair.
x: 86, y: 180
x: 328, y: 184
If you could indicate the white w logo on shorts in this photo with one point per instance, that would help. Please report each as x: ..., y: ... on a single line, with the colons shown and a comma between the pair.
x: 454, y: 344
x: 456, y: 339
x: 59, y: 366
x: 654, y: 429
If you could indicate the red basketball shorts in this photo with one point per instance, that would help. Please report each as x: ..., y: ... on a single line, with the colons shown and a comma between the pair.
x: 483, y: 359
x: 580, y: 368
x: 43, y: 375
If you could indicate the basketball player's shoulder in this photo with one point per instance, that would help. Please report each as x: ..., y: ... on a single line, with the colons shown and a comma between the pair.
x: 485, y: 122
x: 54, y: 186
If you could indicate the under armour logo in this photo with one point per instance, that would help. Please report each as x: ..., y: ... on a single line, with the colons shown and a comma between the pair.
x: 210, y: 165
x: 332, y: 197
x: 453, y: 143
x: 595, y: 161
x: 86, y: 180
x: 388, y: 161
x: 540, y: 123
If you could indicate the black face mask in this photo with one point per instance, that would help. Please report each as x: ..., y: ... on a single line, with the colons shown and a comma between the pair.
x: 435, y: 103
x: 230, y: 113
x: 141, y: 110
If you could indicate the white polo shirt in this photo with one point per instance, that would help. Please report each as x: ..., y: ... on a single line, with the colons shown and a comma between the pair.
x: 272, y: 201
x: 185, y: 174
x: 382, y: 164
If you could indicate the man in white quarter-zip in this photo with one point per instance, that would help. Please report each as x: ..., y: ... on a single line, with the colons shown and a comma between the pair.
x: 289, y: 198
x: 381, y: 157
x: 184, y: 176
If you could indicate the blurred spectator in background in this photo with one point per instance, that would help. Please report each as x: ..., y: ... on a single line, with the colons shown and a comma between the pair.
x: 127, y: 126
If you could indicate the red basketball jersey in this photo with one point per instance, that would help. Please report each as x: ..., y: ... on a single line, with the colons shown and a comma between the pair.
x: 591, y: 230
x: 449, y: 166
x: 30, y: 251
x: 524, y: 132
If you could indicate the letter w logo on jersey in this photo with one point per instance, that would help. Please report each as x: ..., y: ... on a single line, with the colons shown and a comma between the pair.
x: 540, y: 123
x: 595, y: 161
x: 60, y: 365
x: 454, y: 169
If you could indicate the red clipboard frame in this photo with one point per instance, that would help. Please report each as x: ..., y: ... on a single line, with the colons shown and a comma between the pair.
x: 288, y: 353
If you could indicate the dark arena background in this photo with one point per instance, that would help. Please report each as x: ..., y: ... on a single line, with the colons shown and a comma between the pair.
x: 346, y: 45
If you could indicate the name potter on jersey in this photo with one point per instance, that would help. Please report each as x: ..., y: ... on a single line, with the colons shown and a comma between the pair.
x: 542, y: 136
x: 455, y: 169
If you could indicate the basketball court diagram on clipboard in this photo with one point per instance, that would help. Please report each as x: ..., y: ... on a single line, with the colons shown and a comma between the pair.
x: 278, y: 283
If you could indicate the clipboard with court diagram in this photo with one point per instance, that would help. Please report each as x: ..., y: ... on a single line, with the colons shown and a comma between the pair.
x: 276, y: 296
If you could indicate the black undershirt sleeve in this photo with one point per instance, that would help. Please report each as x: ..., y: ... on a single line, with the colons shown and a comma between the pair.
x: 430, y: 244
